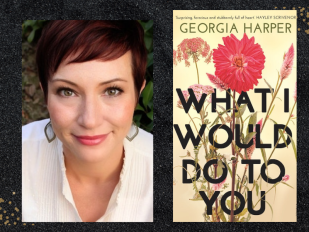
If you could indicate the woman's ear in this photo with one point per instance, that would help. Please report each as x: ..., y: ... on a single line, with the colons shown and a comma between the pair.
x: 143, y: 86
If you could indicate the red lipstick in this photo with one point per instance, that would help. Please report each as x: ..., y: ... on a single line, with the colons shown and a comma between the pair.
x: 91, y: 140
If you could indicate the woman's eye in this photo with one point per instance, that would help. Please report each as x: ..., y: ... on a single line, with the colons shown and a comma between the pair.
x: 112, y: 92
x: 67, y: 93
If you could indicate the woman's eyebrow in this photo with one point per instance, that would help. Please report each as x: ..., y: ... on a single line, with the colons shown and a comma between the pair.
x: 102, y: 83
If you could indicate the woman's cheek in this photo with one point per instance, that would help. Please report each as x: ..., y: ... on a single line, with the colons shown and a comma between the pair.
x: 61, y: 113
x: 123, y: 114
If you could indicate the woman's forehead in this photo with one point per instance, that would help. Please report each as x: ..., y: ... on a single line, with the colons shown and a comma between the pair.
x: 96, y: 69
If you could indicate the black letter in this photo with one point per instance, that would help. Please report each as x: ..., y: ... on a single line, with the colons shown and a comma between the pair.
x: 185, y: 180
x: 251, y: 162
x: 211, y: 135
x: 258, y: 144
x: 238, y: 143
x: 208, y: 178
x: 279, y: 178
x: 241, y: 199
x: 189, y: 135
x: 214, y: 101
x: 192, y: 99
x: 286, y: 100
x: 262, y: 208
x: 276, y: 131
x: 263, y: 91
x: 244, y: 101
x: 210, y: 202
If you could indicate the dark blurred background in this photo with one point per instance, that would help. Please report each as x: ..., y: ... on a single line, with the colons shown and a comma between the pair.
x: 33, y: 105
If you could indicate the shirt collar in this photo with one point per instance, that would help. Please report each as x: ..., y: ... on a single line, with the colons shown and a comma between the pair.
x: 118, y: 191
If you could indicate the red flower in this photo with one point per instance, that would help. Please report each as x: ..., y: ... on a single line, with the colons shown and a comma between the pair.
x: 239, y: 63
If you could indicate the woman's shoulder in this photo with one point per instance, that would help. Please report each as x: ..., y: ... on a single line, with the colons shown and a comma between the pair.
x: 144, y: 142
x: 34, y: 131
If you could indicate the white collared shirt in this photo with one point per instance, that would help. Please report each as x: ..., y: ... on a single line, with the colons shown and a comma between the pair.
x: 46, y: 193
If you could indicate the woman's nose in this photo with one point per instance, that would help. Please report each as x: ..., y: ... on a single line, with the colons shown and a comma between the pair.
x: 90, y: 115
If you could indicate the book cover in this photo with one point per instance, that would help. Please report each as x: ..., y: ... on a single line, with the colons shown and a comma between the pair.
x: 234, y: 116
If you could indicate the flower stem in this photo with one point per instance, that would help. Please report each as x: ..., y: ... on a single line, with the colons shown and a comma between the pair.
x: 276, y: 143
x: 272, y: 100
x: 217, y: 219
x: 198, y: 78
x: 233, y: 165
x: 242, y: 179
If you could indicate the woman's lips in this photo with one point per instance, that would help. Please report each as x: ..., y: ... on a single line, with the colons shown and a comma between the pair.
x: 91, y: 140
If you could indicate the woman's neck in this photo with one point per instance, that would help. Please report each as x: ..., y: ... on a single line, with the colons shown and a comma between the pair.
x: 94, y: 173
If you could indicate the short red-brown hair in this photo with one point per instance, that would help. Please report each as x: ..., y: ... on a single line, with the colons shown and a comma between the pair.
x: 90, y: 40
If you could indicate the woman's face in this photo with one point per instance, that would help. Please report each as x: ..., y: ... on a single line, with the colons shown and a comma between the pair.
x: 91, y: 106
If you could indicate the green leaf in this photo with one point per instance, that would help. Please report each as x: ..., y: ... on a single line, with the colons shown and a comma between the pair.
x: 150, y: 115
x: 271, y: 89
x: 261, y: 184
x: 149, y: 59
x: 31, y: 36
x: 279, y: 98
x: 249, y: 137
x: 257, y: 189
x: 252, y: 120
x: 286, y: 184
x: 220, y: 168
x: 148, y: 25
x: 282, y: 135
x: 228, y: 202
x: 228, y: 167
x: 248, y: 217
x: 27, y: 23
x: 139, y: 107
x: 221, y: 215
x: 148, y: 42
x: 241, y: 111
x: 147, y: 93
x: 245, y: 210
x: 137, y: 119
x: 149, y: 127
x: 272, y: 108
x: 264, y: 154
x: 293, y: 145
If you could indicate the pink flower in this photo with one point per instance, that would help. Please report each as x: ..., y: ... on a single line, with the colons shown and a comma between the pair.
x: 292, y: 115
x: 217, y: 187
x: 200, y: 89
x: 217, y: 82
x: 239, y: 63
x: 287, y: 65
x: 186, y: 95
x: 295, y: 92
x: 285, y: 178
x: 194, y: 48
x: 174, y: 57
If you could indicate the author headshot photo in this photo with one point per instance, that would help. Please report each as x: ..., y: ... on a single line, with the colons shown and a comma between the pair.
x: 89, y: 161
